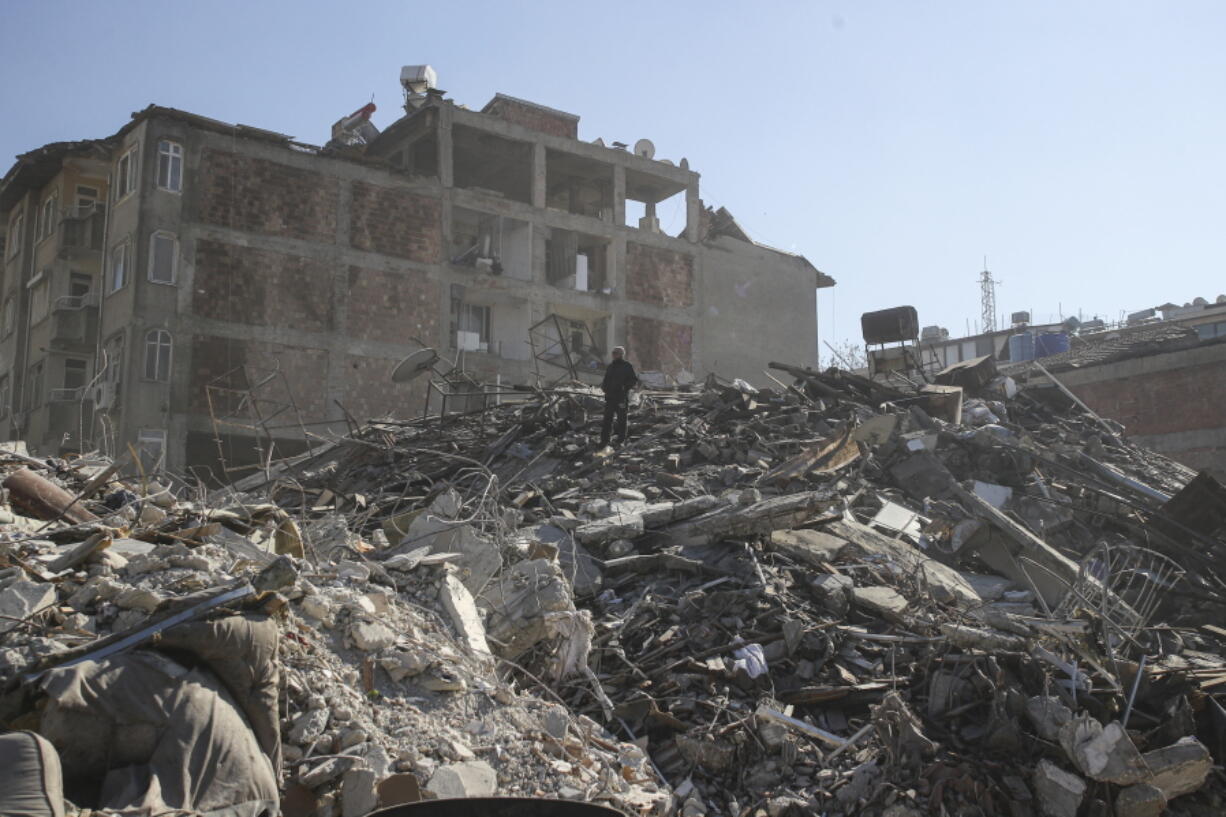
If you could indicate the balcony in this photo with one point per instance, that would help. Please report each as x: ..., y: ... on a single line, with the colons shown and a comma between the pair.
x: 74, y: 320
x: 81, y: 229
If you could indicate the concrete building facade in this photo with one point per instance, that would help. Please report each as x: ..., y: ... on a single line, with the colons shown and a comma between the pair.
x: 185, y: 270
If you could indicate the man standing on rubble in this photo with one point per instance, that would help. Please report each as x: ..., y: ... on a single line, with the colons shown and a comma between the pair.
x: 619, y: 379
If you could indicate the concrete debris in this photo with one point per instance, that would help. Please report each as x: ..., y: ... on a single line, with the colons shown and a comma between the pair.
x: 840, y: 596
x: 1058, y: 792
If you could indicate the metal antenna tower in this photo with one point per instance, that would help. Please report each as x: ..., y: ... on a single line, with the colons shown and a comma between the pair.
x: 987, y: 287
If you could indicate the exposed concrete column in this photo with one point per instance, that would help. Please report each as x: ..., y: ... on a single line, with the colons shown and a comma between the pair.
x: 619, y: 195
x: 693, y: 206
x: 538, y: 175
x: 446, y: 173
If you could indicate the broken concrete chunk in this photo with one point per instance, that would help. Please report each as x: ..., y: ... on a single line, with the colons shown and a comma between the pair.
x: 464, y: 616
x: 760, y: 518
x: 326, y: 772
x: 359, y: 793
x: 810, y: 547
x: 1048, y: 715
x: 1104, y: 753
x: 1059, y: 793
x: 23, y: 598
x: 519, y: 604
x: 881, y: 601
x: 308, y: 726
x: 618, y: 526
x: 1180, y: 768
x: 834, y: 592
x: 403, y: 665
x: 977, y: 638
x: 473, y: 778
x: 1141, y: 800
x: 371, y: 636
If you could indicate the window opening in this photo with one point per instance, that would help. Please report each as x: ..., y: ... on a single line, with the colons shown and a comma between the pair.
x: 157, y: 355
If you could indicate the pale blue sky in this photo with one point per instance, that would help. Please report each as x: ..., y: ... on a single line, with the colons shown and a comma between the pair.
x: 1080, y: 146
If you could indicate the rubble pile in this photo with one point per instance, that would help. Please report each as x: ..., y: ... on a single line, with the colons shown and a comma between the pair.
x: 834, y: 595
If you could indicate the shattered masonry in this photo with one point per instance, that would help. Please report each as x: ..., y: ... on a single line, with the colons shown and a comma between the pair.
x: 815, y: 598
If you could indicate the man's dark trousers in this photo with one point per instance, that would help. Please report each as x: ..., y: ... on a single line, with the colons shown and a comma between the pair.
x: 615, y: 406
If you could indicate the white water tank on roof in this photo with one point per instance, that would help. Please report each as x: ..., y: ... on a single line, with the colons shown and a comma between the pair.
x: 417, y: 79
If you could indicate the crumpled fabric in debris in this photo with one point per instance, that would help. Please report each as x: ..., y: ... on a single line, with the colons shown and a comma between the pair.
x: 751, y: 659
x: 155, y: 736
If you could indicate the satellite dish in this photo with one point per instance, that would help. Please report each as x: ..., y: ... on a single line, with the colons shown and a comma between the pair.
x: 644, y: 148
x: 415, y: 365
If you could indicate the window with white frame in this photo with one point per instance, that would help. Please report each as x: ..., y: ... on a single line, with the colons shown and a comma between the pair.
x: 163, y: 257
x: 86, y: 197
x: 47, y: 218
x: 158, y: 345
x: 151, y: 443
x: 170, y: 166
x: 125, y: 174
x: 117, y: 271
x: 16, y: 225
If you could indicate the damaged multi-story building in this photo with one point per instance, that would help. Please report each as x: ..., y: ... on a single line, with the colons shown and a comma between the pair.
x: 216, y: 293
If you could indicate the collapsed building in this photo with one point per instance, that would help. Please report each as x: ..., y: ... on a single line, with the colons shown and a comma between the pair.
x: 214, y: 293
x: 830, y: 595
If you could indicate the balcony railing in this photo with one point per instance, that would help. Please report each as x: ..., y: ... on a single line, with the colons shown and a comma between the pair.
x: 67, y: 395
x: 71, y: 303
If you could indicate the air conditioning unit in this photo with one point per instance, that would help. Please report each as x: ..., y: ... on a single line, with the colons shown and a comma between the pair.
x: 103, y: 395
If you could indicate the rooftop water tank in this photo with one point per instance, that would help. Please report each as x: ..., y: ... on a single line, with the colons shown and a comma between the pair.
x: 1050, y: 343
x: 1021, y: 347
x: 890, y: 325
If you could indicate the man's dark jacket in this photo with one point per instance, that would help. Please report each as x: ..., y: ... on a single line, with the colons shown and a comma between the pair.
x: 619, y: 379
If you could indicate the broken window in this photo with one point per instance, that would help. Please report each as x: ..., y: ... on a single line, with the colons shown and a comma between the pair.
x: 491, y: 164
x: 114, y: 359
x: 491, y: 243
x: 75, y: 373
x: 125, y: 174
x: 4, y: 396
x: 157, y: 355
x: 87, y: 197
x: 151, y: 443
x: 575, y: 184
x: 470, y: 324
x: 8, y: 317
x: 80, y: 284
x: 170, y: 166
x: 576, y: 261
x: 163, y: 257
x: 117, y: 272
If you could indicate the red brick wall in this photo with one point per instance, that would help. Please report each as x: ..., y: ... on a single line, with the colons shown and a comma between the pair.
x: 655, y: 276
x: 246, y: 285
x: 392, y: 307
x: 1183, y: 399
x: 658, y: 345
x: 259, y: 196
x: 305, y: 373
x: 534, y: 118
x: 393, y: 221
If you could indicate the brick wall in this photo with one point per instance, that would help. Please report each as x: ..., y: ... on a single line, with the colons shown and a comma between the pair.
x: 658, y: 345
x: 534, y: 118
x: 655, y: 276
x: 264, y: 288
x: 305, y: 372
x: 1178, y: 399
x: 259, y: 196
x: 393, y: 221
x: 392, y: 307
x: 370, y: 392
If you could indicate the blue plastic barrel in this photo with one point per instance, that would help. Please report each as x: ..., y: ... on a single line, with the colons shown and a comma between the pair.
x: 1050, y: 343
x: 1021, y: 347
